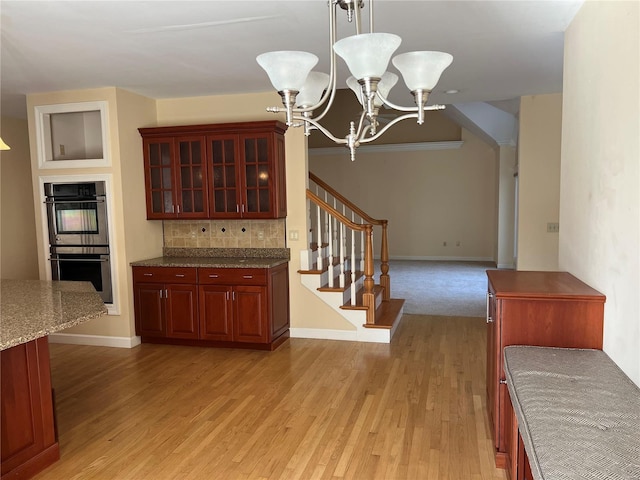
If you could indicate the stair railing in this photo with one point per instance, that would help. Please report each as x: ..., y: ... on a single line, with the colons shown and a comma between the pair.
x: 347, y: 246
x: 358, y: 216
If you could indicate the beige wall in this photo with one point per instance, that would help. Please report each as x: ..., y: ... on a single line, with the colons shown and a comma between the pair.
x: 539, y: 181
x: 600, y: 199
x: 126, y: 112
x: 429, y: 197
x: 17, y: 224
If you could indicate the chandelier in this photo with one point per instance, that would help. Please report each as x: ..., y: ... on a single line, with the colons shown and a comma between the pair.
x: 367, y: 56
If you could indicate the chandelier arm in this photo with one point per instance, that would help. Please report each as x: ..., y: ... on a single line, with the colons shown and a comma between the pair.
x: 330, y: 91
x: 388, y: 126
x: 400, y: 108
x: 327, y: 133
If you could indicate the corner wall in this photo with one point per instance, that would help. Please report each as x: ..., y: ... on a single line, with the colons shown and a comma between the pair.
x: 126, y: 112
x: 600, y: 180
x: 539, y: 181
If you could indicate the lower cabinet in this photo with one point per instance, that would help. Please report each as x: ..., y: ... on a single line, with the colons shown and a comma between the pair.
x: 165, y: 309
x: 212, y: 306
x: 236, y: 314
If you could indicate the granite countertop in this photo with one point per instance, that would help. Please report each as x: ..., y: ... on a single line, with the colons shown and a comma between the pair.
x: 218, y: 258
x: 216, y: 262
x: 33, y: 309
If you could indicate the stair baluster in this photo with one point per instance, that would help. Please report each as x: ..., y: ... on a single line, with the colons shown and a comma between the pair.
x: 330, y: 247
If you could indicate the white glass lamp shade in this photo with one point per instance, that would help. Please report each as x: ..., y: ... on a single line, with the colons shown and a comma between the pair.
x: 353, y: 84
x: 385, y: 85
x: 367, y: 55
x: 312, y: 89
x: 387, y: 82
x: 422, y: 70
x: 287, y: 70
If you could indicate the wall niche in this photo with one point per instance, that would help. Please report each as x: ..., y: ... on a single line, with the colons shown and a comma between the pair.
x: 72, y: 135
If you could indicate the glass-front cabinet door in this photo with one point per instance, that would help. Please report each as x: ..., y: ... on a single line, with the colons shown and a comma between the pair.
x: 191, y: 178
x: 256, y: 152
x: 225, y: 198
x: 159, y: 177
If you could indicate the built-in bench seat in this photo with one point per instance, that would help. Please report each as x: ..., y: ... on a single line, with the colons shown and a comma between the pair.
x: 577, y: 413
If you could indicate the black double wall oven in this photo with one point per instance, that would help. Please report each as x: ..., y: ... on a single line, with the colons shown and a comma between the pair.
x: 79, y: 234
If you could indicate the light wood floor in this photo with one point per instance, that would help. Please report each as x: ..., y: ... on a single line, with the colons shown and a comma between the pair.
x: 414, y: 409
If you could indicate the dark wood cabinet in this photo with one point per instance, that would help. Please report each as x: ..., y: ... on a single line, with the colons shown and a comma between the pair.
x: 213, y: 306
x: 28, y: 441
x: 165, y: 309
x: 234, y: 170
x: 176, y: 177
x: 552, y: 309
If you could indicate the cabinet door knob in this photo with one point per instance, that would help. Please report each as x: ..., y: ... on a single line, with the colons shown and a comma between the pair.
x: 503, y: 382
x: 489, y: 319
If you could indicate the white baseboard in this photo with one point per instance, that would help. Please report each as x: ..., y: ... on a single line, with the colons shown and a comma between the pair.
x: 323, y: 334
x: 448, y: 259
x: 96, y: 340
x: 506, y: 266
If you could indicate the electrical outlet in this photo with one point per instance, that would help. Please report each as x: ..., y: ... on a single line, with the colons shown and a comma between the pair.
x: 62, y: 150
x: 553, y: 227
x: 260, y: 235
x: 293, y: 235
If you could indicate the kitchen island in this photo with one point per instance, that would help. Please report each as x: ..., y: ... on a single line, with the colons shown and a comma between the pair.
x: 31, y: 310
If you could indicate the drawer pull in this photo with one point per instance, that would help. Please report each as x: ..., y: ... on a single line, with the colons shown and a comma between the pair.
x: 180, y: 275
x: 503, y: 382
x: 247, y: 276
x: 213, y: 276
x: 148, y: 274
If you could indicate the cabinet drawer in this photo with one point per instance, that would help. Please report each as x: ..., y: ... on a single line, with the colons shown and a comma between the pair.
x: 164, y: 274
x: 232, y: 276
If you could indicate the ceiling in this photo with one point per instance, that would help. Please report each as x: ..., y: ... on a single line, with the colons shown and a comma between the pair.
x: 163, y: 49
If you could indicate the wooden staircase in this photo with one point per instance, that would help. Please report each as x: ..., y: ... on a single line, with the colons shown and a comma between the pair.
x: 339, y: 264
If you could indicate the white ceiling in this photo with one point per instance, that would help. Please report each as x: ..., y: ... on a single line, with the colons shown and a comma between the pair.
x: 161, y: 49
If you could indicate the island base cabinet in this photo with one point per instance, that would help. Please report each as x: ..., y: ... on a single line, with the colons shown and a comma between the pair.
x: 28, y: 440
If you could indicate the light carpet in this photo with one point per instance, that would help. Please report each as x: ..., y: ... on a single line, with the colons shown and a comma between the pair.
x: 444, y: 288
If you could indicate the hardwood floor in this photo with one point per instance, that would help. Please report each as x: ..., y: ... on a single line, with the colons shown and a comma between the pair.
x: 414, y: 409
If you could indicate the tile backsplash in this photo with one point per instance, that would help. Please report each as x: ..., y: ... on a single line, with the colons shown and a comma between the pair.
x: 225, y: 233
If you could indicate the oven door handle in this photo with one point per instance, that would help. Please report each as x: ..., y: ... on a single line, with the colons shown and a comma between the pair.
x: 52, y: 202
x: 78, y: 259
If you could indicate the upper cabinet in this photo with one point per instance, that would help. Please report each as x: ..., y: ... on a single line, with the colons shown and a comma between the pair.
x: 232, y: 170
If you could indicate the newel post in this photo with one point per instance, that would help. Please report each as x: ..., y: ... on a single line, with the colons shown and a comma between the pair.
x: 385, y: 281
x: 368, y: 297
